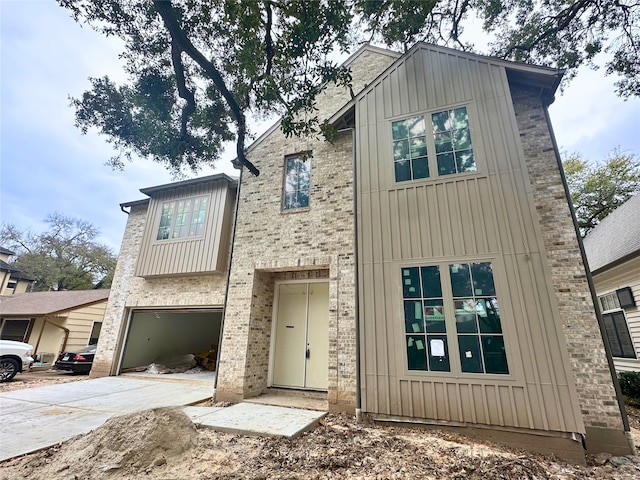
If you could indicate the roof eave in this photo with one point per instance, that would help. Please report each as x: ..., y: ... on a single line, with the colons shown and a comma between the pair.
x: 151, y: 191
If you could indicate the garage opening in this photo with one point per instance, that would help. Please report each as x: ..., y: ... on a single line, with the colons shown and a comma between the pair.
x: 168, y: 337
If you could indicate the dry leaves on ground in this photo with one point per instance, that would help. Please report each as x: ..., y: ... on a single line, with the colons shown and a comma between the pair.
x: 164, y: 444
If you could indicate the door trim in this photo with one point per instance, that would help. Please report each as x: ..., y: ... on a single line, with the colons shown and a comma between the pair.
x: 274, y: 325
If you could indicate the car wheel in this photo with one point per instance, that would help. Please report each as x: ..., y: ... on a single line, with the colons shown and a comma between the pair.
x: 8, y: 369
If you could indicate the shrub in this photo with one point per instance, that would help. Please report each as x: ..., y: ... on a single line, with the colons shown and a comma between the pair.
x: 630, y: 384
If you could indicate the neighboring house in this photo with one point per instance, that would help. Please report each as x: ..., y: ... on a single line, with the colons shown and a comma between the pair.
x: 613, y: 251
x: 53, y: 321
x: 421, y: 267
x: 12, y: 280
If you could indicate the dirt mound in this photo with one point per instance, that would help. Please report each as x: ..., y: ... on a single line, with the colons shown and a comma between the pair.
x: 137, y: 442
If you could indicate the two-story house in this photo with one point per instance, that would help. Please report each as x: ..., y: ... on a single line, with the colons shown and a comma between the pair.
x: 13, y: 281
x: 421, y: 267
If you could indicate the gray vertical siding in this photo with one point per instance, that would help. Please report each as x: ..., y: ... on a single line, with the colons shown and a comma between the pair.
x: 204, y: 254
x: 486, y: 214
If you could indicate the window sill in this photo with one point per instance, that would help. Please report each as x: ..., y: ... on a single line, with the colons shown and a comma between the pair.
x: 294, y: 210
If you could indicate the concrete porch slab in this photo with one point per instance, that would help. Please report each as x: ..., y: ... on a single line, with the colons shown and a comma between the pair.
x: 256, y: 419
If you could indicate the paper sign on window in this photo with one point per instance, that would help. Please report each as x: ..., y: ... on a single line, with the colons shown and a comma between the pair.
x: 419, y: 345
x: 437, y: 347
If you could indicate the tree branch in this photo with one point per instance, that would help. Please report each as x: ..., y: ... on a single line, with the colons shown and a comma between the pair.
x: 183, y: 91
x: 167, y: 13
x: 562, y: 20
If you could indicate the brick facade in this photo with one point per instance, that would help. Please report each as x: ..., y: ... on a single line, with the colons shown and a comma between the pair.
x: 129, y: 291
x: 317, y: 242
x: 584, y: 342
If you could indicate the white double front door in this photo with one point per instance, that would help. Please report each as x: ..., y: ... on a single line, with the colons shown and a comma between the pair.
x: 301, y: 348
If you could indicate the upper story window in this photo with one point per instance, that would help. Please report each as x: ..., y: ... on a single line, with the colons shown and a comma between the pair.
x: 182, y: 218
x: 449, y: 139
x: 297, y: 182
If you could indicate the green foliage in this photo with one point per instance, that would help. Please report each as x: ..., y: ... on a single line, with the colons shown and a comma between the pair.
x: 65, y: 257
x: 197, y: 69
x: 558, y: 33
x: 598, y: 189
x: 630, y: 385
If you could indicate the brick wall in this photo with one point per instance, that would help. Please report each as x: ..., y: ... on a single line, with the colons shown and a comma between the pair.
x: 317, y: 242
x: 582, y: 335
x: 129, y: 291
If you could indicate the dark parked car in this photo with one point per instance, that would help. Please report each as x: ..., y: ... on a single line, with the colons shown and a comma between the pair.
x: 77, y: 362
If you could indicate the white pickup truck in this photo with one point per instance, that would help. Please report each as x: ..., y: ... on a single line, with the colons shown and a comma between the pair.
x: 15, y: 357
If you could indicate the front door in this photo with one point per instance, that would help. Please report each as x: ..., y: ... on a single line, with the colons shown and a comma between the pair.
x: 302, y: 336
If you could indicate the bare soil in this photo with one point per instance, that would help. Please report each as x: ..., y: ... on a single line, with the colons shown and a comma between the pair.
x: 164, y: 444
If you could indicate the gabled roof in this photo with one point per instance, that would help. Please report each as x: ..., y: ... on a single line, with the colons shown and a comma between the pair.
x: 49, y: 303
x: 544, y: 78
x: 616, y: 238
x: 346, y: 63
x: 4, y: 251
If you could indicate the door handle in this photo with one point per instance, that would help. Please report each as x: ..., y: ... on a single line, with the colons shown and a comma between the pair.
x: 308, y: 353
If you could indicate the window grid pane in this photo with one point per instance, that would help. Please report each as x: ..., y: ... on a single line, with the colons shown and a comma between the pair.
x: 478, y: 325
x: 182, y: 218
x: 424, y: 314
x: 454, y: 151
x: 410, y: 149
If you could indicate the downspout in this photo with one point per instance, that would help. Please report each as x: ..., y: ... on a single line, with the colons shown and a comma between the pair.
x: 44, y: 323
x: 592, y: 290
x: 229, y: 263
x: 356, y: 270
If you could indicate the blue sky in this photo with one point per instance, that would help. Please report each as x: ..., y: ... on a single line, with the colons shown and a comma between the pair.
x: 47, y: 165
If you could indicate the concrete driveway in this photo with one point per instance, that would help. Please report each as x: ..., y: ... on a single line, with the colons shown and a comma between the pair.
x: 36, y: 418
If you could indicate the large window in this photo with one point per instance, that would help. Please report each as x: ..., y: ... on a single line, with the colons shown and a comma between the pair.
x: 297, y: 182
x: 475, y: 317
x: 182, y: 218
x: 450, y: 139
x: 15, y: 330
x: 425, y: 328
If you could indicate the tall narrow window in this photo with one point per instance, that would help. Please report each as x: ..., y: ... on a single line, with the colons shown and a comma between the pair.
x: 182, y: 218
x: 478, y: 326
x: 454, y: 153
x: 297, y: 182
x: 425, y: 329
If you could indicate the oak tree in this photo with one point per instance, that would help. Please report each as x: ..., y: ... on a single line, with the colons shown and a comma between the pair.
x: 200, y: 69
x: 64, y: 257
x: 597, y: 189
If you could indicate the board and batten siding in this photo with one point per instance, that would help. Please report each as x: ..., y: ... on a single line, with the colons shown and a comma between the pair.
x: 487, y: 215
x: 624, y: 275
x: 193, y: 255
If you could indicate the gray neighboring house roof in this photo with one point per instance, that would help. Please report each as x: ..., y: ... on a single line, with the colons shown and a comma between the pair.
x: 14, y: 272
x: 616, y: 238
x: 48, y: 303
